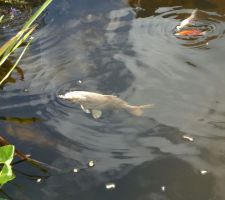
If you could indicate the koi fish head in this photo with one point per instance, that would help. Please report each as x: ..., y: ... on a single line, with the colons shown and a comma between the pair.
x: 73, y: 96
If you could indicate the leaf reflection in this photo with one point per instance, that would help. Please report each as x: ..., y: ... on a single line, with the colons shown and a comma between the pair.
x: 20, y: 120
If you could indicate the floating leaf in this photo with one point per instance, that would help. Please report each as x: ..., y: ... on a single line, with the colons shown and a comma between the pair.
x: 6, y: 157
x: 6, y: 154
x: 6, y: 174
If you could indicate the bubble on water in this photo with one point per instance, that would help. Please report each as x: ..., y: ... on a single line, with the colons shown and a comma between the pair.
x: 38, y: 180
x: 203, y: 172
x: 91, y: 163
x: 163, y: 188
x: 110, y: 186
x: 75, y: 170
x: 191, y: 139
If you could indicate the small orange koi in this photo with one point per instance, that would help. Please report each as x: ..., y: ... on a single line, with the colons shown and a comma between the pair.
x: 191, y: 32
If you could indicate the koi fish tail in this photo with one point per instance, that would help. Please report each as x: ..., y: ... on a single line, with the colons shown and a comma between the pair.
x: 138, y: 110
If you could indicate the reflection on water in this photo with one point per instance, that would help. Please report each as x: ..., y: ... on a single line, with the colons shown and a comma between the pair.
x: 7, y: 65
x: 133, y: 53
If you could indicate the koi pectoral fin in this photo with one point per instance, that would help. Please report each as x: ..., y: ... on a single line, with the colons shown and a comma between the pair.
x: 96, y: 114
x: 85, y: 109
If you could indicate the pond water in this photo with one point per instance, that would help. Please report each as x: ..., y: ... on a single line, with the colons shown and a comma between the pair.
x: 175, y: 151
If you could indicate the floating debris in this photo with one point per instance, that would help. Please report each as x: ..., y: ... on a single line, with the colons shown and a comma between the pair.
x: 26, y: 90
x: 203, y: 172
x: 191, y: 139
x: 110, y: 186
x: 91, y: 163
x: 75, y: 170
x: 38, y: 180
x: 79, y: 81
x: 163, y: 188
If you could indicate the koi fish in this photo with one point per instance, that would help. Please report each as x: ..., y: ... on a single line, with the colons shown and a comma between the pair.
x: 94, y: 103
x: 189, y: 21
x: 190, y: 32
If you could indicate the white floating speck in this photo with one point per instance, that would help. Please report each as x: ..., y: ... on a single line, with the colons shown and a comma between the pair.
x: 207, y: 43
x: 191, y: 139
x: 91, y: 163
x: 163, y: 188
x: 203, y: 172
x: 110, y: 186
x: 38, y: 180
x: 75, y: 170
x: 79, y: 81
x: 89, y: 17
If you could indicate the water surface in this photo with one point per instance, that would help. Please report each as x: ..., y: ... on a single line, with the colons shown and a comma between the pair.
x: 128, y: 50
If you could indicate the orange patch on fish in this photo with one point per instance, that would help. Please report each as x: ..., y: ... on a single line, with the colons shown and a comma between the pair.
x: 191, y: 32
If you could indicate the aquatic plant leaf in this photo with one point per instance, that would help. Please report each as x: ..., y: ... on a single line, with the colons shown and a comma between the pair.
x: 1, y: 18
x: 15, y: 45
x: 14, y: 66
x: 6, y: 157
x: 20, y: 120
x: 6, y: 174
x: 6, y: 154
x: 36, y: 14
x: 23, y: 39
x: 10, y: 43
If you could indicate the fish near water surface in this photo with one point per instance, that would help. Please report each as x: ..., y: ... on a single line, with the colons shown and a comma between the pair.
x: 190, y: 32
x: 189, y: 21
x: 192, y: 25
x: 94, y: 103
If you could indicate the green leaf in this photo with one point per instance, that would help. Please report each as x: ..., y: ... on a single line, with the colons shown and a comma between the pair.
x: 6, y: 174
x: 6, y: 154
x: 15, y: 45
x: 10, y: 43
x: 1, y: 18
x: 36, y: 14
x: 14, y: 66
x: 6, y: 157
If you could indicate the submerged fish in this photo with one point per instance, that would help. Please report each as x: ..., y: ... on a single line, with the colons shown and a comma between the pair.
x: 94, y: 103
x: 190, y: 32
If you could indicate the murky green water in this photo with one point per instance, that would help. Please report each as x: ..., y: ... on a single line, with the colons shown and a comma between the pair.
x: 114, y: 48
